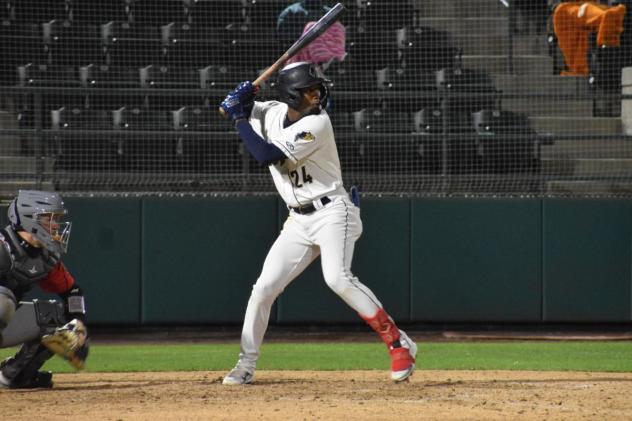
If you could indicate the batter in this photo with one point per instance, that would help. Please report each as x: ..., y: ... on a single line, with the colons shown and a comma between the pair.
x: 295, y: 138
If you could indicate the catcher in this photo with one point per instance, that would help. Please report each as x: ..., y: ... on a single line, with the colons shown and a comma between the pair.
x: 30, y: 253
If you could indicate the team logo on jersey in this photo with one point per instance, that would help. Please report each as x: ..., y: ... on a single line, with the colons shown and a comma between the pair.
x: 305, y: 137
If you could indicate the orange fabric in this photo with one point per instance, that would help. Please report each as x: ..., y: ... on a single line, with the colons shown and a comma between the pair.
x: 574, y: 22
x: 58, y: 280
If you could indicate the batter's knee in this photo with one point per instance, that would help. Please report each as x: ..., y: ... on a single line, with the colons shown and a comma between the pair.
x: 264, y: 292
x: 339, y: 282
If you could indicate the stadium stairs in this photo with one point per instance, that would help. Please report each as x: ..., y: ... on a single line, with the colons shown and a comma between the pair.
x: 557, y: 106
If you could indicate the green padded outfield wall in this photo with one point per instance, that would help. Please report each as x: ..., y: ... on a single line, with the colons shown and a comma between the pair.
x: 184, y: 260
x: 476, y: 260
x: 201, y: 256
x: 587, y: 260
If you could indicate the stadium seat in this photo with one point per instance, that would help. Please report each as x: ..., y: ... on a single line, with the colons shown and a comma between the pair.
x: 77, y: 150
x: 37, y: 11
x: 425, y: 49
x: 224, y: 77
x: 262, y: 15
x: 168, y: 77
x: 21, y: 43
x: 431, y: 121
x: 201, y: 152
x: 470, y: 90
x: 244, y: 46
x: 159, y: 12
x: 216, y: 13
x: 371, y: 14
x: 129, y: 45
x: 65, y: 43
x: 506, y: 142
x: 401, y: 79
x: 103, y: 79
x: 185, y: 47
x: 372, y: 50
x: 103, y: 76
x: 143, y: 152
x: 495, y: 121
x: 97, y: 12
x: 137, y: 118
x: 46, y: 75
x: 380, y: 121
x: 66, y: 118
x: 198, y: 119
x: 428, y: 121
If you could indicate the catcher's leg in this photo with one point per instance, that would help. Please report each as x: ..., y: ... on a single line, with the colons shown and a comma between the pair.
x: 30, y: 321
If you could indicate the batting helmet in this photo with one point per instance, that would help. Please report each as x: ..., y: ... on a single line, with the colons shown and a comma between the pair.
x: 297, y: 76
x: 40, y: 213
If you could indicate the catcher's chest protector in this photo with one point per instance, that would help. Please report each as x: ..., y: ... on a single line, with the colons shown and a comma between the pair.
x: 27, y: 269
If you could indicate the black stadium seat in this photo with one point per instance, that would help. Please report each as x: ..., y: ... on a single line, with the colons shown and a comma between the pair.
x: 65, y: 43
x: 102, y: 79
x: 380, y: 121
x: 125, y: 44
x: 159, y: 12
x: 97, y: 12
x: 216, y: 13
x: 21, y: 43
x: 203, y: 153
x: 197, y: 119
x: 185, y: 47
x: 77, y: 150
x: 38, y: 11
x: 32, y: 74
x: 423, y: 49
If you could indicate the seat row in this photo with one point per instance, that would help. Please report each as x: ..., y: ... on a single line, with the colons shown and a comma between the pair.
x: 427, y: 121
x: 343, y: 77
x: 143, y: 12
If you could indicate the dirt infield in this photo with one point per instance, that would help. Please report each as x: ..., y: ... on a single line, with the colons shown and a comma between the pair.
x: 306, y: 395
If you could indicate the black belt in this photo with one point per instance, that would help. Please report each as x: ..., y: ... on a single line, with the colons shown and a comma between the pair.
x: 304, y: 210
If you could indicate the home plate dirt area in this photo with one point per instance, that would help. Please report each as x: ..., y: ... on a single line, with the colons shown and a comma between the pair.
x: 331, y: 395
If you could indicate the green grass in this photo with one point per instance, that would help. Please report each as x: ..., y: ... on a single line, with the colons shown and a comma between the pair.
x: 615, y: 356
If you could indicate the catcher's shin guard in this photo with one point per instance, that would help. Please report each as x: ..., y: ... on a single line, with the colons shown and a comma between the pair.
x: 401, y: 348
x: 22, y: 370
x: 69, y: 342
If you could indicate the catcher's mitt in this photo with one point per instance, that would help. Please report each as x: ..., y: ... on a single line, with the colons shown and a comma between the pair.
x: 69, y: 342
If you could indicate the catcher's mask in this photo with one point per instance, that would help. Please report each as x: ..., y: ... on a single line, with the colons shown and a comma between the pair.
x: 297, y: 76
x: 41, y: 214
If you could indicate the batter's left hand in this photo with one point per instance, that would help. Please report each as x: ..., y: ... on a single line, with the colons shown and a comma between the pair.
x: 233, y: 107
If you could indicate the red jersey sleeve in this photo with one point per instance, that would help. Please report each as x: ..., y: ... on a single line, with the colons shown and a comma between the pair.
x: 59, y: 280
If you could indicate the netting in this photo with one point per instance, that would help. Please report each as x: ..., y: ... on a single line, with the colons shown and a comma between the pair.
x: 428, y: 97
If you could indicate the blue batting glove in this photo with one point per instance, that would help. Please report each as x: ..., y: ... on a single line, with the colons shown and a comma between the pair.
x: 245, y: 91
x: 233, y: 107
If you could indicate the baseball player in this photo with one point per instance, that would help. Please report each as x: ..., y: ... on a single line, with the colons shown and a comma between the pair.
x: 30, y: 253
x: 294, y: 137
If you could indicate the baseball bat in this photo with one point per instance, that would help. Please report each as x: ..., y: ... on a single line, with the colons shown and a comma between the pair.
x: 307, y: 38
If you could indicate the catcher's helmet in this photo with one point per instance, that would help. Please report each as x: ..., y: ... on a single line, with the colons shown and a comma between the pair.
x: 40, y: 213
x: 296, y: 76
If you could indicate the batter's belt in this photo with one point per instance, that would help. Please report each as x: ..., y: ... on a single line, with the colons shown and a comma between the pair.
x: 306, y: 209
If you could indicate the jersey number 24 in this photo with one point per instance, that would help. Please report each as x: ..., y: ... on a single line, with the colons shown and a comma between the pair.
x: 295, y: 177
